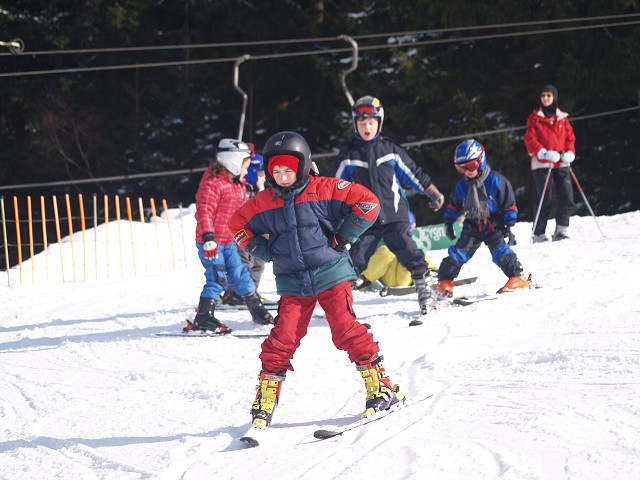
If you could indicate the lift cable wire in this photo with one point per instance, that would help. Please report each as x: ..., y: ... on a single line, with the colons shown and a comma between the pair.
x: 326, y: 39
x: 317, y: 52
x: 317, y: 156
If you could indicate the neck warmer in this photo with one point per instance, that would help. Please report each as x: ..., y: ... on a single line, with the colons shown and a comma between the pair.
x: 476, y: 205
x: 549, y: 111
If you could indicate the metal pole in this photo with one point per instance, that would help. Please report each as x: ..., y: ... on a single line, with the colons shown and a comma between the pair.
x: 236, y: 85
x: 15, y: 46
x: 352, y: 68
x: 544, y: 190
x: 584, y: 197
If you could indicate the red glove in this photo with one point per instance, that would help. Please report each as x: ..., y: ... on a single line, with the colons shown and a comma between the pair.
x: 210, y: 247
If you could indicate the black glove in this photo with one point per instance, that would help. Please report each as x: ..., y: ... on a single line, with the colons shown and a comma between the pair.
x: 448, y: 230
x: 506, y: 229
x: 338, y: 242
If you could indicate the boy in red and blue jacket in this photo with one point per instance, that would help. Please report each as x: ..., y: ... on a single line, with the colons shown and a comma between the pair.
x: 304, y: 225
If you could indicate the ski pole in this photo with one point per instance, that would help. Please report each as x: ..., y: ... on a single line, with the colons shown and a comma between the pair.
x: 544, y: 190
x: 584, y: 197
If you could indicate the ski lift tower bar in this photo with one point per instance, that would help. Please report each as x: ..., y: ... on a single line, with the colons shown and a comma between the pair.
x: 15, y: 46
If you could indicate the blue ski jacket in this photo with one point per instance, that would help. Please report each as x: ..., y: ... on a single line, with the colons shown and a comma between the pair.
x: 295, y: 229
x: 386, y: 169
x: 502, y: 202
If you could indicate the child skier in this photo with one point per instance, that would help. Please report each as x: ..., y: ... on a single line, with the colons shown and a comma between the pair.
x: 219, y: 195
x: 386, y: 169
x: 304, y: 224
x: 254, y: 183
x: 487, y: 201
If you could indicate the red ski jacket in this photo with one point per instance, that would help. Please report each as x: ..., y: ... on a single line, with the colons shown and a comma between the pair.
x: 554, y: 133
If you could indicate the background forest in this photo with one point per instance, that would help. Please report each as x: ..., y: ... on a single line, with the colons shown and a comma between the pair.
x: 130, y: 87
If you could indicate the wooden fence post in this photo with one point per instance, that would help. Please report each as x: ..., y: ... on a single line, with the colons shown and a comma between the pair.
x: 58, y: 236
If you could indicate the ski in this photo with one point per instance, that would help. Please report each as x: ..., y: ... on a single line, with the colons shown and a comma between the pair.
x: 399, y: 291
x: 253, y: 437
x: 225, y: 306
x: 470, y: 300
x: 432, y: 309
x: 361, y: 422
x: 208, y: 334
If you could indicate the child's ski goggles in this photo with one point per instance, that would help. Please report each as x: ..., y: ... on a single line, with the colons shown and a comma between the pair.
x: 471, y: 166
x: 363, y: 109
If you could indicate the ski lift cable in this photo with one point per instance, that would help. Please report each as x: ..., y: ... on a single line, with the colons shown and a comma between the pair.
x: 323, y: 39
x: 315, y: 155
x: 310, y: 52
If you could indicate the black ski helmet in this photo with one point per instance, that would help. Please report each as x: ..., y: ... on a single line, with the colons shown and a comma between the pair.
x: 288, y: 143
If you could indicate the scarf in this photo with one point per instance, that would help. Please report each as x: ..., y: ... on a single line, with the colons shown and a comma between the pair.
x: 476, y: 205
x: 549, y: 111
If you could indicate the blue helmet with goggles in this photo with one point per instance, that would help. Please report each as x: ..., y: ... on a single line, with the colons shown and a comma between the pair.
x: 469, y: 156
x: 366, y: 107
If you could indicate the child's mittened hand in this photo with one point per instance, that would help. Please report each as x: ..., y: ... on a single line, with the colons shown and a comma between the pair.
x: 436, y: 199
x: 448, y: 231
x: 338, y: 242
x: 210, y: 247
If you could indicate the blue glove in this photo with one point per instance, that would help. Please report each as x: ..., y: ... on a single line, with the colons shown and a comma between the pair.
x: 448, y: 230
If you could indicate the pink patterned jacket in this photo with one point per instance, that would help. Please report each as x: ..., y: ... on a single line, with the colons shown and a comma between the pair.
x: 217, y: 199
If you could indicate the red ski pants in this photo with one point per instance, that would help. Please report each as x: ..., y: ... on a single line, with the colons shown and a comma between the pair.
x: 292, y: 322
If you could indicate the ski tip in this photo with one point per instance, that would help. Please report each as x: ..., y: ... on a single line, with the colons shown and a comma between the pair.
x: 415, y: 323
x: 250, y: 441
x: 324, y: 434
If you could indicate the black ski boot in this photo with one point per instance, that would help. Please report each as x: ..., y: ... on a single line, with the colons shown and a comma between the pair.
x: 205, y: 319
x: 426, y: 297
x: 259, y: 314
x: 230, y: 297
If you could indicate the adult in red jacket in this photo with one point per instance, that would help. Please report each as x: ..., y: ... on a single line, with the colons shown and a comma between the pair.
x: 550, y: 142
x: 303, y: 224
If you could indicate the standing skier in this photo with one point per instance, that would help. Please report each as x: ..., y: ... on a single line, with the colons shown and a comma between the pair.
x: 219, y: 195
x: 304, y: 224
x: 550, y: 142
x: 486, y: 200
x: 386, y: 169
x: 254, y: 183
